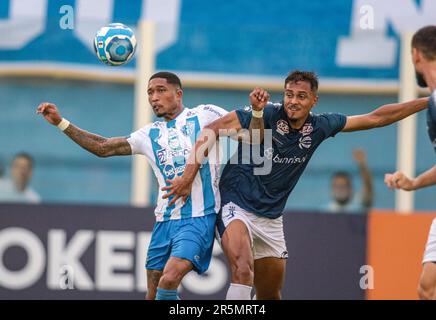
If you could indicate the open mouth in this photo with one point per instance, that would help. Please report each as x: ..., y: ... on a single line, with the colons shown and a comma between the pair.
x: 156, y: 107
x: 293, y: 108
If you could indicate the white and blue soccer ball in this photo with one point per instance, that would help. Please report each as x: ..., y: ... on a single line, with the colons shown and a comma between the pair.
x: 115, y: 44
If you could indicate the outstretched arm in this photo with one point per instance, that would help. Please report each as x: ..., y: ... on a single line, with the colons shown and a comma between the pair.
x: 98, y: 145
x: 385, y: 115
x: 399, y: 180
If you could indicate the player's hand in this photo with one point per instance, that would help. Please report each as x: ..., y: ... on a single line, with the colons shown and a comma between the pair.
x: 50, y: 112
x: 177, y: 188
x: 259, y: 98
x: 359, y: 156
x: 399, y: 180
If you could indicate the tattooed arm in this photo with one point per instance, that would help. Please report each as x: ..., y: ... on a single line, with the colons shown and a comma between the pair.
x: 98, y: 145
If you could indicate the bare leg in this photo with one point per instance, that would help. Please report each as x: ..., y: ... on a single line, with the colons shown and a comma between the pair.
x: 236, y: 245
x: 153, y: 277
x: 269, y: 276
x: 427, y: 283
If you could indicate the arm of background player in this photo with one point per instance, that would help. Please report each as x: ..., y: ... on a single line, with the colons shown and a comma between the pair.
x: 366, y: 176
x: 98, y: 145
x: 385, y: 115
x: 399, y: 180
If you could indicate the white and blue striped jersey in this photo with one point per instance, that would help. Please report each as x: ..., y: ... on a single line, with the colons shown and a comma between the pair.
x: 167, y: 146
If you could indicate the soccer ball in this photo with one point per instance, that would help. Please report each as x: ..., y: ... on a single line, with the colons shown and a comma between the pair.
x: 115, y: 44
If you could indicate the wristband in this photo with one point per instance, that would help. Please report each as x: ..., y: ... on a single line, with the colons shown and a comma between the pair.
x: 257, y: 114
x: 63, y: 124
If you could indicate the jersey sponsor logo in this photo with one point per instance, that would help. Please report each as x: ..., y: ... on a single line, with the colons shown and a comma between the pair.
x: 208, y: 108
x: 171, y: 171
x: 162, y: 156
x: 282, y: 127
x: 269, y: 155
x: 248, y: 108
x: 305, y: 142
x: 307, y: 129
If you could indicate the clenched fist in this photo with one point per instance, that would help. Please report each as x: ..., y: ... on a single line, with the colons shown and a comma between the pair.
x: 50, y: 112
x: 259, y: 98
x: 399, y: 180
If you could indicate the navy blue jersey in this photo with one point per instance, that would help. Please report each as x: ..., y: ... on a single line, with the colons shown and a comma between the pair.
x: 290, y: 152
x: 431, y: 119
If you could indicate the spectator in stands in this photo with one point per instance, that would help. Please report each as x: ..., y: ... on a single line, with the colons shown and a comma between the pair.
x: 17, y: 188
x: 2, y: 170
x: 342, y: 192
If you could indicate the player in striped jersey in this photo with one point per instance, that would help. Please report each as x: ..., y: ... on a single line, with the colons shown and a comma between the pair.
x: 424, y: 59
x: 183, y: 235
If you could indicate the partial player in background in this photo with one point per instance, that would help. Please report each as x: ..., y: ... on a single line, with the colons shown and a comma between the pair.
x: 17, y: 188
x: 344, y: 199
x: 183, y: 235
x: 251, y: 221
x: 424, y: 59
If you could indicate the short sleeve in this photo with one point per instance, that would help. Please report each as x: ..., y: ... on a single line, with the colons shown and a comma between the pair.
x: 210, y: 113
x: 332, y: 123
x: 137, y: 141
x: 244, y: 114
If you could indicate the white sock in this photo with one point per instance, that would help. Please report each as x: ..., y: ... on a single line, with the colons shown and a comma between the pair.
x: 238, y: 292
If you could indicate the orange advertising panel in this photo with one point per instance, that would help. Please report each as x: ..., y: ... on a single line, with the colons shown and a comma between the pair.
x: 396, y: 244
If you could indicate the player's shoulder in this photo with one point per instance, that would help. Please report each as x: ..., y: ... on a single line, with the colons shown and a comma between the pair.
x: 145, y: 130
x: 204, y: 109
x: 327, y: 116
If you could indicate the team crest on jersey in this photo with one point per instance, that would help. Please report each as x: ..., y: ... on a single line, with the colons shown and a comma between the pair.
x: 161, y: 156
x: 188, y: 129
x: 307, y: 129
x: 248, y: 108
x: 173, y: 139
x: 305, y: 142
x: 282, y: 127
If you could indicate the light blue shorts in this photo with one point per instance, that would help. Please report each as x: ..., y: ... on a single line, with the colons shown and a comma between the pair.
x: 191, y: 239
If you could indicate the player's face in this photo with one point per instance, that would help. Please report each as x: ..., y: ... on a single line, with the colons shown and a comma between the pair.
x: 165, y: 98
x: 299, y: 99
x: 417, y: 62
x: 21, y: 172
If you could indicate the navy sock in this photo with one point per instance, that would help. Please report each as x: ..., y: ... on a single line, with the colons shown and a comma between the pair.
x: 164, y: 294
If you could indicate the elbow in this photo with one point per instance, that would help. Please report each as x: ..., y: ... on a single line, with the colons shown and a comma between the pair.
x: 102, y: 151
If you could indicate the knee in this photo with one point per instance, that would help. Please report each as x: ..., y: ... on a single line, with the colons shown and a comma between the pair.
x: 242, y: 270
x: 170, y: 279
x: 425, y: 291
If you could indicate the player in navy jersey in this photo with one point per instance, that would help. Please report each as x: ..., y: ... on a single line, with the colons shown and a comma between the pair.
x: 424, y: 59
x: 254, y: 195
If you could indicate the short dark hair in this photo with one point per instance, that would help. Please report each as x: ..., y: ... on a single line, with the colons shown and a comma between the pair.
x: 24, y: 155
x: 425, y: 41
x: 297, y: 75
x: 341, y: 174
x: 171, y: 77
